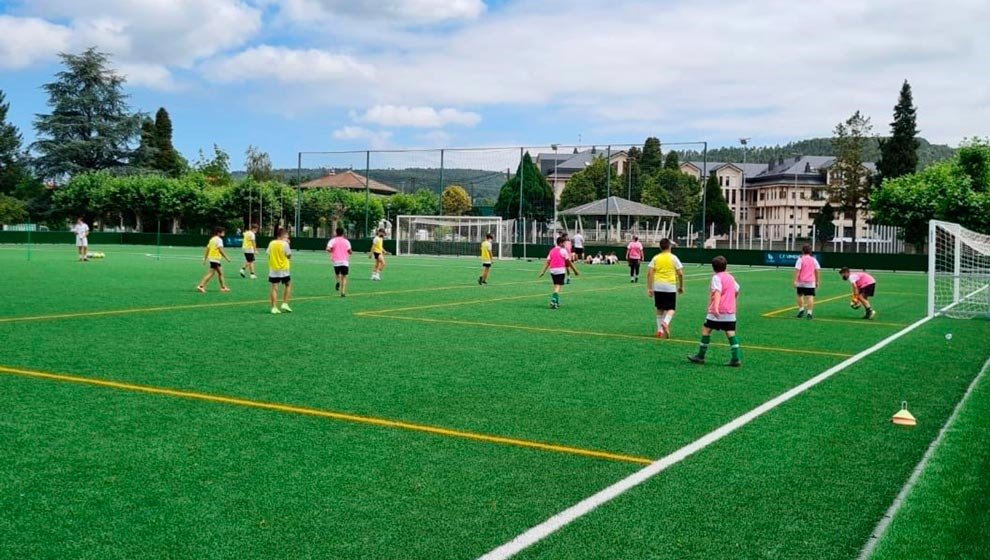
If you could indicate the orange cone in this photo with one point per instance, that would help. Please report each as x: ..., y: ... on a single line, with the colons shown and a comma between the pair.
x: 903, y: 417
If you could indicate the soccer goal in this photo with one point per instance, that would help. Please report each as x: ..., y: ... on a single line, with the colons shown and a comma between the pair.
x: 450, y: 235
x: 958, y: 271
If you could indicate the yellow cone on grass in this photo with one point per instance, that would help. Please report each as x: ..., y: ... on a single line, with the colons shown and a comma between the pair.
x: 903, y: 417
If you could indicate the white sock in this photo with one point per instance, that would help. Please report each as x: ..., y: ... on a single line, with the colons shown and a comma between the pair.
x: 666, y: 320
x: 659, y: 323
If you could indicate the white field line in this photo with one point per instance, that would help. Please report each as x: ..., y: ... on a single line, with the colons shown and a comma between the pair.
x: 888, y: 517
x: 587, y: 505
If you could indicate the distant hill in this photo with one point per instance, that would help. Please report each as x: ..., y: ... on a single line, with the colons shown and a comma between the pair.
x: 479, y: 183
x: 928, y: 153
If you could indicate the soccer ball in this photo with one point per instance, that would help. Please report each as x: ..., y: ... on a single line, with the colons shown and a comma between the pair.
x: 97, y: 255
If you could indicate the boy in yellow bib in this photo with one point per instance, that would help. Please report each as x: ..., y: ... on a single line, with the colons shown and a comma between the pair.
x: 214, y: 252
x: 279, y: 255
x: 378, y: 252
x: 250, y: 246
x: 664, y: 281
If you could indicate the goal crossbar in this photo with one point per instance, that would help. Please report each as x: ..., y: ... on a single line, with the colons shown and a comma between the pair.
x: 450, y: 235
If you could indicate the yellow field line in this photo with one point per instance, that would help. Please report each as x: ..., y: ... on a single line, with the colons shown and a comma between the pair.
x: 163, y: 308
x: 598, y: 334
x: 793, y: 307
x: 341, y: 416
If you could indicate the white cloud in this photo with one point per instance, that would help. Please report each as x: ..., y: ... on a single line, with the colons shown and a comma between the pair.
x: 399, y: 11
x: 26, y: 41
x: 153, y: 76
x: 156, y: 31
x: 418, y: 117
x: 367, y: 138
x: 309, y: 66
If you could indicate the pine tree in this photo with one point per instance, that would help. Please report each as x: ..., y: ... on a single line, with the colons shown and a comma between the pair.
x: 13, y: 161
x: 716, y: 208
x: 899, y: 153
x: 538, y: 197
x: 90, y: 126
x: 167, y: 159
x: 824, y: 225
x: 671, y: 161
x: 651, y: 160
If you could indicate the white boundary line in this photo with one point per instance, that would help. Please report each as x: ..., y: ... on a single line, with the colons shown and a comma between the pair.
x: 587, y: 505
x: 888, y: 516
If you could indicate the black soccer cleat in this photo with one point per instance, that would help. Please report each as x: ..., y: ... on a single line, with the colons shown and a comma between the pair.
x: 734, y: 363
x: 696, y: 359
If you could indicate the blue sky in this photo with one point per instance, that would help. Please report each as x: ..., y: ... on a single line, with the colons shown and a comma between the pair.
x: 291, y: 75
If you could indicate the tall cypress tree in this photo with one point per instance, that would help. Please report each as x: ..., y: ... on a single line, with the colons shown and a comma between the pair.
x: 651, y: 160
x: 167, y: 159
x: 90, y: 126
x: 537, y: 203
x: 899, y: 153
x: 147, y: 150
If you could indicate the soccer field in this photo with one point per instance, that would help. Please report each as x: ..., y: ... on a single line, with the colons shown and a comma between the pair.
x: 425, y: 416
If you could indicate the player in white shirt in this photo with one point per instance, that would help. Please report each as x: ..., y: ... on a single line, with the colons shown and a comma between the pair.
x: 82, y: 239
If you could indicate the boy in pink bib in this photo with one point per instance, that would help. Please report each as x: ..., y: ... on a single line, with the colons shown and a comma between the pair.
x: 807, y: 277
x: 558, y: 263
x: 864, y: 287
x: 723, y: 293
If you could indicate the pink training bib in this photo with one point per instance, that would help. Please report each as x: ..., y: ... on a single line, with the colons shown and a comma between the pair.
x: 635, y: 250
x: 558, y: 258
x: 864, y: 280
x: 806, y: 274
x: 727, y: 305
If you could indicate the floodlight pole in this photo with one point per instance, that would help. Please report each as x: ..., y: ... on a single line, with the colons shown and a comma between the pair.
x: 441, y: 182
x: 704, y: 190
x: 608, y: 191
x: 554, y: 146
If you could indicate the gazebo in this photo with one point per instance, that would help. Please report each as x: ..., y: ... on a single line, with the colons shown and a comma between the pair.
x: 605, y: 209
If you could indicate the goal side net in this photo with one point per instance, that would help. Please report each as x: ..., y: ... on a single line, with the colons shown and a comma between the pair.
x: 450, y: 236
x: 958, y: 271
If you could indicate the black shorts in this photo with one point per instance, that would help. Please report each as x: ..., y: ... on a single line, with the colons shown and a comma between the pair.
x: 215, y: 265
x: 805, y: 291
x: 558, y: 279
x: 378, y: 256
x: 720, y: 325
x: 341, y: 270
x: 666, y: 301
x: 633, y: 262
x: 281, y: 280
x: 868, y: 291
x: 579, y: 251
x: 486, y: 265
x: 249, y: 257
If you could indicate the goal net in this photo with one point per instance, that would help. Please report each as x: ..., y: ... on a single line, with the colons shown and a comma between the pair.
x: 958, y: 271
x: 450, y: 235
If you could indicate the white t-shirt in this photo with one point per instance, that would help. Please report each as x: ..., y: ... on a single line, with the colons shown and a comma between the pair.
x: 82, y: 234
x: 578, y: 241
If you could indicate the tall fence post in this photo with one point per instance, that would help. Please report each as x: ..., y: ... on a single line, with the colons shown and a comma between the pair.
x: 158, y: 240
x: 367, y: 189
x: 704, y: 192
x: 522, y: 177
x: 608, y: 192
x: 441, y: 182
x: 29, y: 239
x: 298, y: 231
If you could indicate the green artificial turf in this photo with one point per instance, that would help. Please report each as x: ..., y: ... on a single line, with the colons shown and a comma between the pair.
x: 947, y: 514
x: 104, y: 473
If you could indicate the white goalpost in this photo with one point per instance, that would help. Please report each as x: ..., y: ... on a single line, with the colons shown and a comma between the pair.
x: 451, y: 235
x: 958, y: 271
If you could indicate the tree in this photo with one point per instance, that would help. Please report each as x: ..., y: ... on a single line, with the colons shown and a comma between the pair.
x: 852, y: 183
x: 13, y: 161
x: 90, y: 126
x: 974, y: 161
x: 671, y: 161
x: 12, y: 211
x: 655, y: 192
x: 456, y: 201
x: 258, y: 164
x: 538, y: 199
x: 899, y: 153
x: 651, y: 160
x: 824, y: 225
x: 144, y: 155
x: 216, y: 169
x: 716, y: 209
x: 167, y: 159
x: 944, y: 191
x: 580, y: 189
